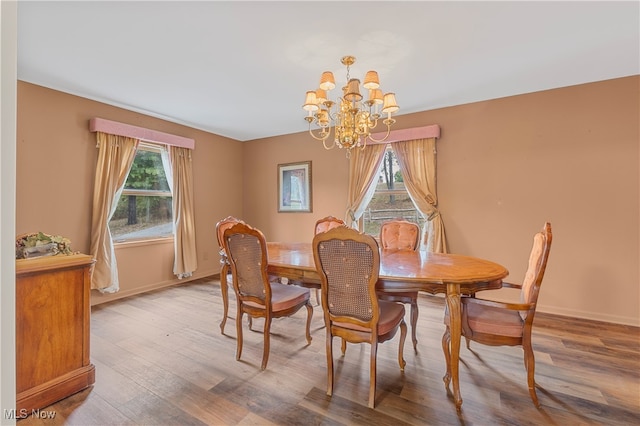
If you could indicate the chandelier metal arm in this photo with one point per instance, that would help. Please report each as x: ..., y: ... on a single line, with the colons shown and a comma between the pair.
x: 322, y: 137
x: 324, y: 143
x: 388, y: 122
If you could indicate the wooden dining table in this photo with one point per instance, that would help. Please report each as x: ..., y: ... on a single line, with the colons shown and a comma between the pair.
x: 401, y: 271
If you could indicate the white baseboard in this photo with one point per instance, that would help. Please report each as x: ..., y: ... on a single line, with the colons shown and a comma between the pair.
x: 98, y: 298
x: 595, y: 316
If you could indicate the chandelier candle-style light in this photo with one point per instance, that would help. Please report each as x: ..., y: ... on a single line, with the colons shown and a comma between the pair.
x: 353, y: 119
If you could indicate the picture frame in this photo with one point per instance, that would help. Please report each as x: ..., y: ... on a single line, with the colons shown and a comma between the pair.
x: 294, y: 187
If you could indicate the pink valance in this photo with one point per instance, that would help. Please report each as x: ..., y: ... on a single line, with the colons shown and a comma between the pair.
x: 425, y: 132
x: 121, y: 129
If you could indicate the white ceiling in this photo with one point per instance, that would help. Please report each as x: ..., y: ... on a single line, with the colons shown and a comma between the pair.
x: 240, y: 69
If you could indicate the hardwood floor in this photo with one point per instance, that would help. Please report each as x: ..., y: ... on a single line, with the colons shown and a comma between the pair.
x: 161, y: 360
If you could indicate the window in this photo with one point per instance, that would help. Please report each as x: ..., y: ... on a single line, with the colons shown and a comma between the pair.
x: 144, y: 209
x: 390, y: 199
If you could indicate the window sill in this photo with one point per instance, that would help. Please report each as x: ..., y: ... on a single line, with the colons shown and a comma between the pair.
x: 140, y: 243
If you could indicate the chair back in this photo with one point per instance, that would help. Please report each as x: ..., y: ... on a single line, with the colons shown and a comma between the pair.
x: 247, y: 254
x: 348, y: 263
x: 222, y: 226
x: 326, y: 223
x: 399, y: 234
x: 537, y: 265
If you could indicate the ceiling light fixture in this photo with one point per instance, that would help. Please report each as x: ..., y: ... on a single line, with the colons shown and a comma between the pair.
x: 354, y: 119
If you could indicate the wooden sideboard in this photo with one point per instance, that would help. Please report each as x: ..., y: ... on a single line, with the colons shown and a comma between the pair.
x: 52, y: 329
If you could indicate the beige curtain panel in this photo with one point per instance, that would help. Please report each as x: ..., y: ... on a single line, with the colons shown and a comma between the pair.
x: 417, y: 160
x: 184, y: 241
x: 363, y: 167
x: 115, y: 157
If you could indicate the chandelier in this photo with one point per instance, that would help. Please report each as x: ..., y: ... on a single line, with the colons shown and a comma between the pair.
x: 353, y: 119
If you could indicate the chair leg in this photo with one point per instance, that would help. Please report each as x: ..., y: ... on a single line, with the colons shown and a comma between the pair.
x: 225, y: 297
x: 267, y: 341
x: 414, y: 323
x: 344, y: 347
x: 446, y: 340
x: 239, y: 339
x: 329, y: 349
x: 317, y: 297
x: 372, y: 373
x: 530, y: 365
x: 403, y: 336
x: 309, y: 316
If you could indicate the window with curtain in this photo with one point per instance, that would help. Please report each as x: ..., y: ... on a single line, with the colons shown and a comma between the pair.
x: 391, y: 199
x: 118, y: 147
x: 144, y: 209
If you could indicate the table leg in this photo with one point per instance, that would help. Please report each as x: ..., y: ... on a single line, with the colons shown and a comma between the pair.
x: 455, y: 318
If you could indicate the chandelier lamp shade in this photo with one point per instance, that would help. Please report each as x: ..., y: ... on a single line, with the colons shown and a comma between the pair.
x: 352, y: 118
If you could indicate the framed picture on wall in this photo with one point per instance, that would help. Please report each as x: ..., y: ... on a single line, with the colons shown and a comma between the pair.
x: 294, y: 187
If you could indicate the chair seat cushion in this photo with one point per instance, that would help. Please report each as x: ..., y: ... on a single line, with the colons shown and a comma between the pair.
x: 284, y: 297
x: 391, y: 314
x: 490, y: 320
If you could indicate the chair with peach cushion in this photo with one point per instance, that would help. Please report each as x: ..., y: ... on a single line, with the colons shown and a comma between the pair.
x: 399, y: 234
x: 255, y: 295
x: 507, y: 324
x: 222, y: 226
x: 348, y: 263
x: 326, y: 223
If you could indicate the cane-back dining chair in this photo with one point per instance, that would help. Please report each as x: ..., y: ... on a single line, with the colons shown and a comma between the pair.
x: 222, y: 226
x: 255, y: 295
x: 506, y: 324
x: 399, y: 234
x: 323, y: 225
x: 348, y: 263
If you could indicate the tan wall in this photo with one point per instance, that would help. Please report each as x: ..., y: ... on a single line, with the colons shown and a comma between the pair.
x: 569, y: 156
x: 56, y: 159
x: 505, y: 166
x: 329, y: 185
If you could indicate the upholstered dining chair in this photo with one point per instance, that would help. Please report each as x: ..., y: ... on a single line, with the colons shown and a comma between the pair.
x: 506, y: 324
x: 348, y: 263
x: 326, y: 223
x: 256, y: 296
x: 399, y: 234
x: 222, y: 226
